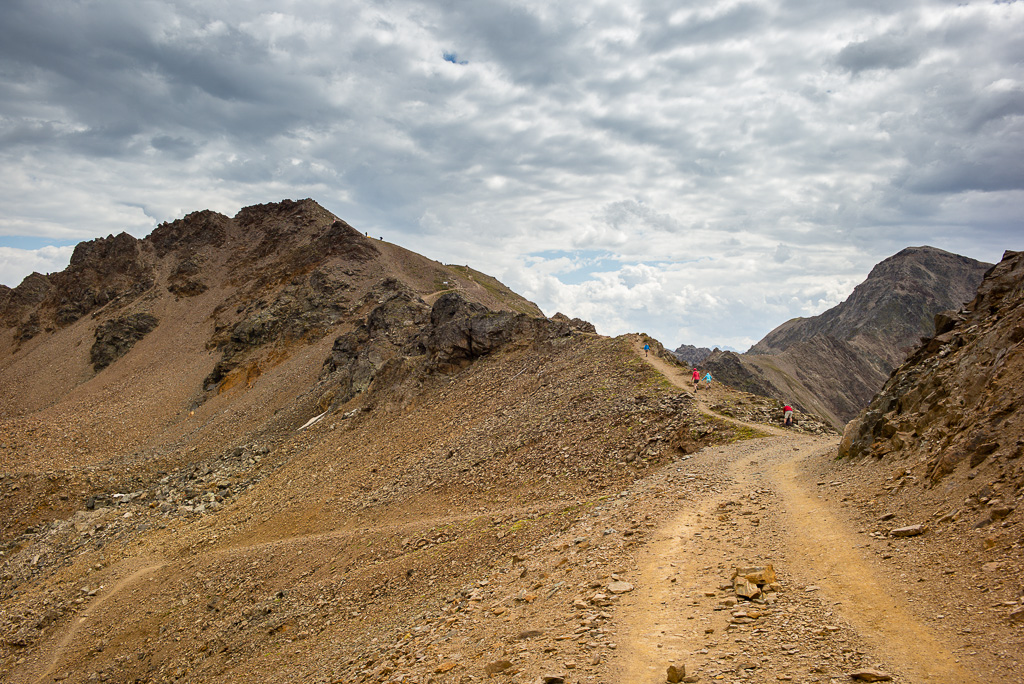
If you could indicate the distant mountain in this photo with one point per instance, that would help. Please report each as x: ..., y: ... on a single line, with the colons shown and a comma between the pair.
x: 690, y: 355
x: 833, y: 363
x: 694, y: 356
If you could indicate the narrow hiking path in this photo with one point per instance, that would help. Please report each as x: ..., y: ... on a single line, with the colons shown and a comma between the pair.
x: 49, y: 659
x: 833, y: 613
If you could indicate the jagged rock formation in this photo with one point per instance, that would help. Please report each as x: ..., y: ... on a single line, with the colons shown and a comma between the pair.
x: 832, y: 364
x: 690, y: 355
x: 956, y: 402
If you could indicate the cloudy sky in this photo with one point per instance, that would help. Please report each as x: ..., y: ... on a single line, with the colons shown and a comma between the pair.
x: 701, y: 171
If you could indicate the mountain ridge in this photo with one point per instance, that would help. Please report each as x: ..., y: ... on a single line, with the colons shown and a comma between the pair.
x: 833, y: 363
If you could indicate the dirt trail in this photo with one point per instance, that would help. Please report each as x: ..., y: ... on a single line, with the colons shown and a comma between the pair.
x: 52, y: 656
x: 834, y: 613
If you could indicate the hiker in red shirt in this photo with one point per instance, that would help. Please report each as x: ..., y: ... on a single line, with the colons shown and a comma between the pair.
x: 696, y: 379
x: 787, y: 415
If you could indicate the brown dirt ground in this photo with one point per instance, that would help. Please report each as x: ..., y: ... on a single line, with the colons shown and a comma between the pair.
x: 312, y: 576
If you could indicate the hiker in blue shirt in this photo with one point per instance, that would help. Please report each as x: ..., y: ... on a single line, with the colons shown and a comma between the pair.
x: 707, y: 379
x: 647, y: 348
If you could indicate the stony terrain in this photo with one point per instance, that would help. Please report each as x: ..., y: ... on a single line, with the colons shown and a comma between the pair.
x: 372, y: 467
x: 833, y: 363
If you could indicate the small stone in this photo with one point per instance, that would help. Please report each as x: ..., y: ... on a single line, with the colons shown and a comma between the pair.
x: 757, y: 575
x: 1017, y: 615
x: 868, y: 674
x: 1000, y: 512
x: 620, y: 587
x: 496, y: 667
x: 909, y: 531
x: 745, y: 588
x: 676, y: 673
x: 552, y: 679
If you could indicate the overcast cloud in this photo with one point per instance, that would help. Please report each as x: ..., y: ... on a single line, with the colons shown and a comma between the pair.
x: 699, y: 171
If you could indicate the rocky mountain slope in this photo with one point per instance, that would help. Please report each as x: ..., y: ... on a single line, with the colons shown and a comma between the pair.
x: 141, y: 347
x: 942, y: 444
x: 244, y: 440
x: 832, y: 364
x: 953, y: 408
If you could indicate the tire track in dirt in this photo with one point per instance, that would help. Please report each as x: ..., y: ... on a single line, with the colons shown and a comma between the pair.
x: 677, y: 613
x: 828, y: 548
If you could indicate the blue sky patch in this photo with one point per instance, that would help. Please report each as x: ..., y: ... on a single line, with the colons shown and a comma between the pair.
x: 29, y: 242
x: 585, y: 263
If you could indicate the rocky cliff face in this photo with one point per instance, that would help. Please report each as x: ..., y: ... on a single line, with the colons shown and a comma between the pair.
x: 956, y: 402
x: 832, y: 364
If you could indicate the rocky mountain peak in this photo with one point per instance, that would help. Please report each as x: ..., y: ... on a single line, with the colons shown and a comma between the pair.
x: 955, y: 402
x: 886, y: 315
x: 832, y: 364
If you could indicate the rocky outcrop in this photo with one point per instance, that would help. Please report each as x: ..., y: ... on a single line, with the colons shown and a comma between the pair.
x: 100, y: 272
x: 184, y: 280
x: 956, y: 402
x: 461, y: 331
x: 116, y: 337
x: 577, y: 324
x: 393, y: 329
x: 193, y: 232
x: 690, y: 355
x: 832, y: 364
x: 444, y: 338
x: 305, y: 308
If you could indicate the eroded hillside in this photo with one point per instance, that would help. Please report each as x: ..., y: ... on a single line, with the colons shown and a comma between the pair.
x: 149, y: 354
